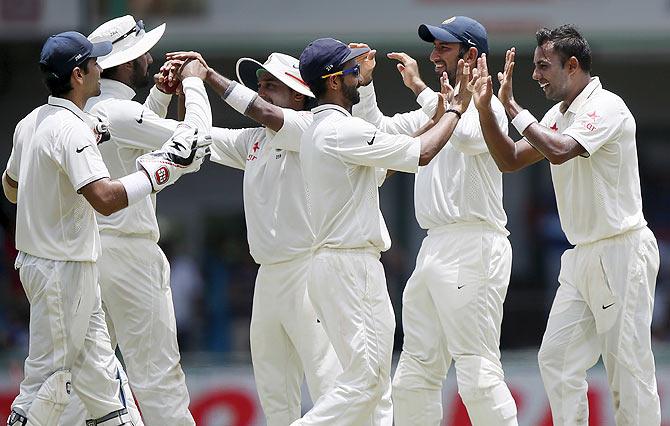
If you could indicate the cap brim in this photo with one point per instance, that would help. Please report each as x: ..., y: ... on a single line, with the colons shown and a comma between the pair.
x: 246, y: 70
x: 430, y: 33
x: 101, y: 49
x: 355, y: 52
x: 148, y: 41
x: 247, y: 74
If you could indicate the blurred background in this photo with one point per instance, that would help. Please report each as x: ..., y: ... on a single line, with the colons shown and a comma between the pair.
x: 202, y: 217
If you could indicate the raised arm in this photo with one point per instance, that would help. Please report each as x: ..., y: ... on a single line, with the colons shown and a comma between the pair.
x: 508, y: 155
x: 407, y: 123
x: 243, y: 99
x: 433, y: 140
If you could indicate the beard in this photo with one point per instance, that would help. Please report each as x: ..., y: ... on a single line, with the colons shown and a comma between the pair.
x: 351, y: 94
x: 139, y: 79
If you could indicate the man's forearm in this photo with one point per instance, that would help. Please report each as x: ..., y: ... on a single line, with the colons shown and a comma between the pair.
x: 259, y: 110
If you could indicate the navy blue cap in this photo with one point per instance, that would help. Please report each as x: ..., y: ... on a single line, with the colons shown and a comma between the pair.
x: 459, y: 29
x: 325, y: 56
x: 63, y: 52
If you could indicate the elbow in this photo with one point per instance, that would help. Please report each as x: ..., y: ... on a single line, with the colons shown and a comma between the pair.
x: 425, y: 158
x: 558, y: 158
x: 103, y: 209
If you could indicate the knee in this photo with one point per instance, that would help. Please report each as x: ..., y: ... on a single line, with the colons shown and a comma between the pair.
x: 546, y: 356
x: 414, y: 371
x: 477, y: 376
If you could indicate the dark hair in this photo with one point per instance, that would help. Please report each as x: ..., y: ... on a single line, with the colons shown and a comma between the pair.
x: 109, y: 72
x: 567, y: 42
x: 318, y: 87
x: 60, y: 85
x: 463, y: 49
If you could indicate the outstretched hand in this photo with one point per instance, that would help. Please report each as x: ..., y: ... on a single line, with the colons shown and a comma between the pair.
x: 462, y: 95
x: 367, y: 62
x: 409, y: 70
x: 481, y: 85
x: 506, y: 94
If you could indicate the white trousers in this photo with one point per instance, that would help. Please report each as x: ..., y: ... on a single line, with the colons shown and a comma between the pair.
x: 288, y: 341
x: 603, y: 306
x: 68, y: 331
x: 348, y: 291
x: 135, y: 286
x: 452, y: 310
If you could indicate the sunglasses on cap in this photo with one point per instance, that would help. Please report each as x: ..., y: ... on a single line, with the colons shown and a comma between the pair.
x: 137, y: 29
x: 355, y: 70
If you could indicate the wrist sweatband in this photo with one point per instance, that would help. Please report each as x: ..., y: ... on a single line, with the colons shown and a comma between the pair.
x: 239, y: 97
x: 523, y: 120
x: 137, y: 186
x: 458, y: 113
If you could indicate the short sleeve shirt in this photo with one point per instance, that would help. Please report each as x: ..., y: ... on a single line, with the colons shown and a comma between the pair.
x: 598, y: 195
x: 54, y: 155
x: 275, y: 202
x: 339, y: 156
x: 462, y: 184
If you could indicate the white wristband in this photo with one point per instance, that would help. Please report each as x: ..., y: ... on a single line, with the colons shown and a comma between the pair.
x: 137, y: 186
x: 523, y: 120
x: 239, y: 97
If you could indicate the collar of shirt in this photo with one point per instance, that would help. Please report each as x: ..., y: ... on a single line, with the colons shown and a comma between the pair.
x: 584, y: 95
x: 329, y: 107
x: 116, y: 89
x: 69, y: 105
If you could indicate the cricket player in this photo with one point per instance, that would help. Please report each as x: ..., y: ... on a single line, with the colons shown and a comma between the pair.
x: 453, y: 302
x: 604, y: 303
x: 286, y: 336
x: 134, y: 272
x: 57, y: 178
x: 338, y: 157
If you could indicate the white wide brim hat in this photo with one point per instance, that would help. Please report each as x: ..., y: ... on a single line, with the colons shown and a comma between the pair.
x: 283, y: 67
x: 129, y: 40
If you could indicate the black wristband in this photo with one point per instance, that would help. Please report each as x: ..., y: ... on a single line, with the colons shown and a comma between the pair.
x: 458, y: 114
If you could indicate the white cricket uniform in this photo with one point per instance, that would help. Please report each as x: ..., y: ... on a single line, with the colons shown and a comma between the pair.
x: 286, y: 337
x: 134, y: 272
x: 453, y: 302
x: 339, y: 156
x: 604, y: 303
x: 54, y: 155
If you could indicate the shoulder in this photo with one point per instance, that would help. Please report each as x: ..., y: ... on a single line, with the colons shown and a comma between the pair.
x: 354, y: 129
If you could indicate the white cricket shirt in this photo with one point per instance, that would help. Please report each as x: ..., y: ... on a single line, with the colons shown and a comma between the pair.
x: 598, y: 195
x: 462, y: 183
x: 275, y: 204
x: 54, y: 155
x: 135, y: 130
x: 339, y: 155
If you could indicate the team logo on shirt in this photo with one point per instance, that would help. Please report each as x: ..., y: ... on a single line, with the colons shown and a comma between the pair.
x: 554, y: 127
x: 162, y: 175
x: 252, y: 155
x: 593, y: 116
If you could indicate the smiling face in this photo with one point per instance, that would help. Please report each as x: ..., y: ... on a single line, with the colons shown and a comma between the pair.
x: 445, y: 56
x: 271, y: 90
x: 553, y: 77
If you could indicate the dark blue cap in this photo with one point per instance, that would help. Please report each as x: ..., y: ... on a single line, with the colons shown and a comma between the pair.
x: 63, y: 52
x: 325, y: 56
x: 459, y: 29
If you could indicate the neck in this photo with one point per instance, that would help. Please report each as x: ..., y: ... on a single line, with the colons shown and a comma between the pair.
x: 580, y: 84
x: 120, y: 79
x: 76, y: 98
x: 334, y: 98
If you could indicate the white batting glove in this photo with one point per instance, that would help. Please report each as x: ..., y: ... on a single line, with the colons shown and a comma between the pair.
x: 183, y: 153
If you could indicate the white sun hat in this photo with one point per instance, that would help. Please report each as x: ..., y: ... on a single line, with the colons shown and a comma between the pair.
x: 283, y: 67
x: 129, y: 40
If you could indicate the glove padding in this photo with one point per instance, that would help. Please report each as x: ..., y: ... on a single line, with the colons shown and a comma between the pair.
x: 183, y: 153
